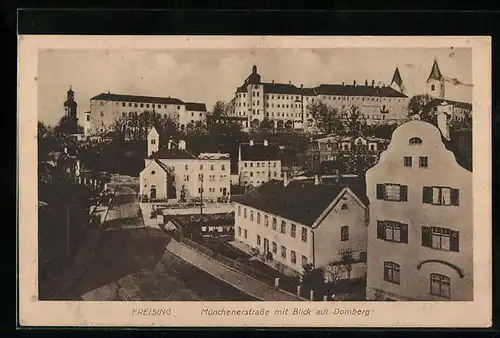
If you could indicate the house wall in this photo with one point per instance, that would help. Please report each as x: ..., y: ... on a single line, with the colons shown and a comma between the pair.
x: 301, y: 248
x: 257, y: 172
x: 159, y: 179
x: 328, y: 243
x: 191, y: 116
x: 443, y: 171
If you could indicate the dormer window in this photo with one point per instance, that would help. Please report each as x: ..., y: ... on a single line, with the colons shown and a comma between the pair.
x: 415, y: 141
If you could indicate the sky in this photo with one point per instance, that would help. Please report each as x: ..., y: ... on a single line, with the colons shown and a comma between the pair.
x: 207, y: 76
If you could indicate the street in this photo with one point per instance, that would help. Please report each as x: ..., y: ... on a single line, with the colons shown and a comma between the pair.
x: 132, y: 257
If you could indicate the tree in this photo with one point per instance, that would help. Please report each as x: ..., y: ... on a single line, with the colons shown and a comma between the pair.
x: 326, y: 118
x: 311, y: 276
x: 119, y: 128
x: 417, y: 104
x: 66, y: 125
x: 219, y: 109
x: 354, y: 121
x: 182, y: 197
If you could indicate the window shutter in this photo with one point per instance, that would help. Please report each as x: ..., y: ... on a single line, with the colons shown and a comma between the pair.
x: 454, y: 194
x: 404, y: 233
x: 427, y: 195
x: 426, y: 237
x: 403, y: 193
x: 381, y: 229
x: 454, y: 241
x: 380, y: 191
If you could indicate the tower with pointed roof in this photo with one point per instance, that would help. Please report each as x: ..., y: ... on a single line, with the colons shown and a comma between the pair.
x: 70, y: 104
x: 435, y: 82
x: 153, y: 141
x: 397, y: 82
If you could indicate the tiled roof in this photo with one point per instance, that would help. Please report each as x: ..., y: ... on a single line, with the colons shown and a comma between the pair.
x: 177, y: 154
x: 193, y: 106
x: 259, y: 152
x: 436, y: 102
x: 281, y: 88
x: 137, y: 98
x: 299, y: 201
x: 163, y: 166
x: 351, y: 90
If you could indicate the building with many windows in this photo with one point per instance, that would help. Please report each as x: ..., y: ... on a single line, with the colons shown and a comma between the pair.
x: 173, y: 172
x: 258, y: 163
x: 299, y: 222
x: 420, y: 231
x: 288, y: 106
x: 105, y: 108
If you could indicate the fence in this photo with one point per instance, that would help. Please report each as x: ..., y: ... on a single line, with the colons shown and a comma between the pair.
x: 352, y: 289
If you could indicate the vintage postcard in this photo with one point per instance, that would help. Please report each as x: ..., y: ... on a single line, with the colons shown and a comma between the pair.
x: 254, y: 181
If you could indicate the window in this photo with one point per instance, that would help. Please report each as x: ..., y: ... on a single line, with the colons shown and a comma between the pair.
x: 258, y: 240
x: 304, y: 234
x: 245, y: 164
x: 88, y: 117
x: 212, y: 168
x: 251, y: 215
x: 153, y: 172
x: 440, y: 239
x: 440, y: 285
x: 186, y: 178
x: 123, y: 104
x: 283, y: 251
x: 283, y: 227
x: 142, y: 105
x: 415, y: 141
x: 102, y: 113
x: 275, y: 248
x: 392, y: 231
x: 433, y: 87
x: 392, y: 192
x: 251, y: 164
x: 274, y: 223
x: 239, y: 231
x: 246, y: 233
x: 239, y: 210
x: 344, y: 207
x: 293, y: 230
x: 223, y: 167
x: 407, y: 161
x: 293, y: 257
x: 201, y: 167
x: 245, y: 212
x: 251, y: 174
x: 423, y: 161
x: 258, y: 164
x: 391, y: 272
x: 441, y: 196
x: 258, y: 218
x: 344, y: 233
x: 304, y: 260
x: 266, y: 220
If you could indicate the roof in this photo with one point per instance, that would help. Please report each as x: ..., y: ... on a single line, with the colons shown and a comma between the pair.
x: 229, y: 118
x: 357, y: 90
x: 436, y: 102
x: 196, y: 220
x: 435, y: 72
x: 178, y: 154
x: 137, y: 98
x: 396, y: 78
x: 300, y: 201
x: 259, y: 152
x: 281, y: 88
x: 193, y: 106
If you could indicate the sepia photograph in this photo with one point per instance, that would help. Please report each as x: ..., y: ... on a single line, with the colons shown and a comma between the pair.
x: 334, y: 175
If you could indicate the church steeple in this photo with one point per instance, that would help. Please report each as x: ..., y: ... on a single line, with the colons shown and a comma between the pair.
x: 70, y: 107
x: 397, y: 81
x: 435, y: 72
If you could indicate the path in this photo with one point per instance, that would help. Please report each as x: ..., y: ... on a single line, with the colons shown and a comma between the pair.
x: 239, y: 280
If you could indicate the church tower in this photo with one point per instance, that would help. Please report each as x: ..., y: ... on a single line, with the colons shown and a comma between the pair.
x: 70, y: 104
x: 153, y: 141
x: 397, y: 82
x: 435, y: 82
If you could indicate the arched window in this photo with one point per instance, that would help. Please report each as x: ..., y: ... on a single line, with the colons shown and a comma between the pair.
x: 433, y: 87
x: 415, y: 141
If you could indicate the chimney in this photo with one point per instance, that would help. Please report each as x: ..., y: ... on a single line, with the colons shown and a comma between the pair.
x: 342, y: 83
x: 182, y: 145
x: 354, y: 83
x: 301, y: 86
x: 373, y: 83
x: 366, y: 82
x: 289, y: 83
x: 251, y: 143
x: 273, y: 82
x: 266, y: 143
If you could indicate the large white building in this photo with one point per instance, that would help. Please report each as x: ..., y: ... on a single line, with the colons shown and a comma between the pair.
x: 105, y: 108
x: 420, y: 231
x: 287, y: 106
x: 301, y: 222
x: 258, y: 163
x: 170, y: 171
